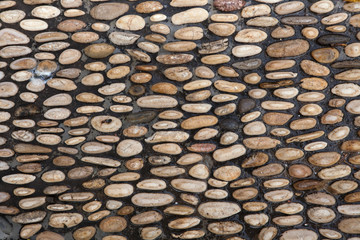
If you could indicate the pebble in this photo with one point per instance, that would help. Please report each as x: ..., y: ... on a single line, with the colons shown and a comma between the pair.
x: 193, y: 15
x: 12, y: 16
x: 109, y: 11
x: 218, y: 210
x: 325, y: 55
x: 262, y: 22
x: 288, y: 48
x: 289, y: 7
x: 255, y: 11
x: 228, y: 5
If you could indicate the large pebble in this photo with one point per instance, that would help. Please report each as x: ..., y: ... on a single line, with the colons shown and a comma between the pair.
x: 193, y: 15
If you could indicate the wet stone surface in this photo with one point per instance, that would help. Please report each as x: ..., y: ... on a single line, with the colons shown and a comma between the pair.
x: 181, y: 119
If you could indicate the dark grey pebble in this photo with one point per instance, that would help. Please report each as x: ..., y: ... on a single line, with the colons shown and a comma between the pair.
x: 141, y: 117
x: 347, y: 64
x: 245, y: 105
x: 229, y: 124
x: 26, y: 111
x: 137, y: 90
x: 333, y: 39
x: 299, y: 20
x: 250, y: 64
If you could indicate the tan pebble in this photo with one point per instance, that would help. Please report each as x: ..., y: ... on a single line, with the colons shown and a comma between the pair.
x: 337, y: 28
x: 339, y: 133
x: 225, y: 154
x: 193, y: 15
x: 227, y: 173
x: 310, y: 110
x: 53, y: 176
x: 95, y: 66
x: 349, y: 75
x: 254, y: 206
x: 179, y: 74
x: 255, y: 11
x: 113, y: 224
x: 222, y: 29
x: 33, y: 25
x: 343, y: 186
x: 256, y: 220
x: 352, y: 50
x: 321, y: 214
x: 218, y: 210
x: 189, y: 33
x: 151, y: 199
x: 99, y: 50
x: 30, y: 203
x: 45, y: 12
x: 71, y: 25
x: 119, y: 59
x: 112, y: 89
x: 149, y: 7
x: 289, y: 154
x: 160, y: 28
x: 199, y: 122
x: 225, y: 228
x: 288, y: 48
x: 12, y: 16
x: 257, y: 93
x: 324, y: 159
x: 118, y: 72
x: 277, y: 105
x: 278, y: 195
x: 196, y: 107
x: 246, y: 50
x: 184, y: 223
x: 323, y: 6
x: 290, y: 208
x: 100, y: 27
x: 351, y: 7
x: 108, y: 11
x: 118, y: 190
x: 334, y: 18
x: 244, y: 194
x: 228, y: 138
x: 271, y: 169
x: 188, y: 3
x: 224, y: 17
x: 294, y: 233
x: 310, y: 32
x: 268, y: 233
x: 30, y: 230
x: 14, y: 51
x: 188, y: 185
x: 283, y: 32
x: 50, y: 36
x: 313, y: 68
x: 179, y: 46
x: 130, y: 23
x: 262, y: 22
x: 292, y: 220
x: 74, y: 13
x: 84, y: 37
x: 289, y: 7
x: 215, y: 59
x: 128, y: 148
x: 157, y: 101
x: 149, y: 47
x: 313, y: 83
x: 338, y: 171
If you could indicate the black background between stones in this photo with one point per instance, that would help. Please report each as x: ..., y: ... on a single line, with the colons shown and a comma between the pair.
x: 11, y: 230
